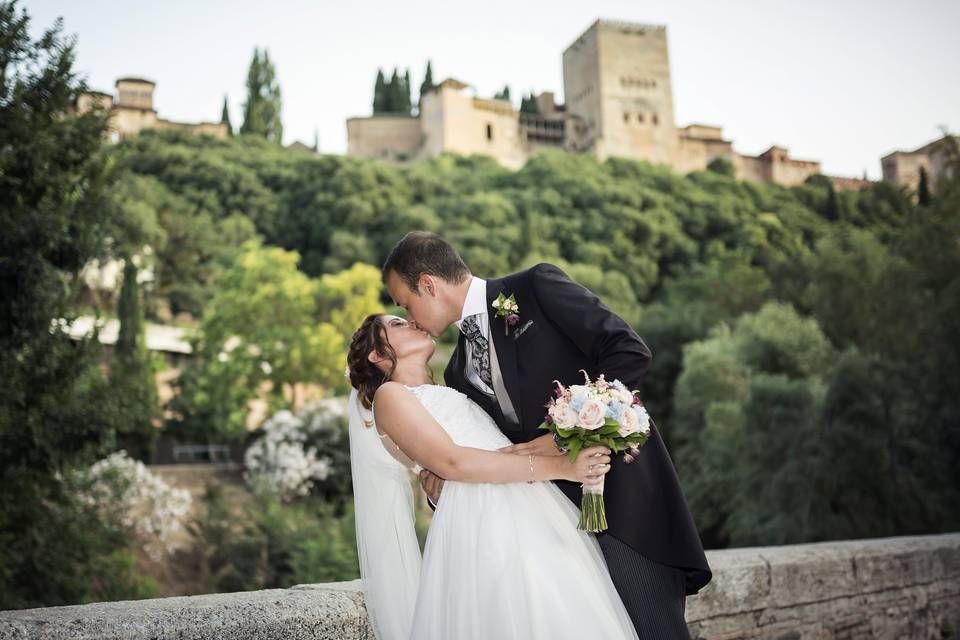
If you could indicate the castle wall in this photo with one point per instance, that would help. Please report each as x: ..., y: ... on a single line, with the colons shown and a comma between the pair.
x: 695, y: 153
x: 384, y: 136
x: 902, y: 587
x: 581, y: 90
x: 904, y: 169
x: 456, y: 122
x: 131, y: 121
x: 774, y: 165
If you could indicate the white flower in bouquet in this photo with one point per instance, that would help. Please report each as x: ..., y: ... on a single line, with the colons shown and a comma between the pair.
x: 629, y: 422
x: 563, y: 415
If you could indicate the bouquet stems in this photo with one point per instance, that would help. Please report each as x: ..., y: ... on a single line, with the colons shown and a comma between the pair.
x: 593, y: 515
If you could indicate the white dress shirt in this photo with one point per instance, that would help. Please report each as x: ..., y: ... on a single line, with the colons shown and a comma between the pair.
x: 476, y: 304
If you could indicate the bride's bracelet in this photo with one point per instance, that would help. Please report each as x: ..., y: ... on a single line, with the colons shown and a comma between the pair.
x: 530, y: 458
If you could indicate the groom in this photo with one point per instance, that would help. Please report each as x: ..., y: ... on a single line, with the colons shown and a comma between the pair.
x: 652, y: 548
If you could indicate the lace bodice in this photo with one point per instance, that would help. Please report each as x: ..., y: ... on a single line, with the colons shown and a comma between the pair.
x: 463, y: 419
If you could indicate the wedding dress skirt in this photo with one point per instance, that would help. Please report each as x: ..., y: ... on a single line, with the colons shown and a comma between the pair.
x: 505, y: 561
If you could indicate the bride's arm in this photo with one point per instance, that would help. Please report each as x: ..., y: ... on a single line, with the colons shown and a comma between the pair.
x: 414, y: 430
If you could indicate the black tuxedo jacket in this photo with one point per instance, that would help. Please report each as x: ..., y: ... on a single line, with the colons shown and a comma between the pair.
x: 564, y: 328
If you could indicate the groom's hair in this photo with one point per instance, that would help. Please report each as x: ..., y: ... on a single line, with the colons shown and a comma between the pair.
x: 421, y: 252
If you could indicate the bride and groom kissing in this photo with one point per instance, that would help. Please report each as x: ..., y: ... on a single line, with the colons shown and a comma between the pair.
x: 504, y: 557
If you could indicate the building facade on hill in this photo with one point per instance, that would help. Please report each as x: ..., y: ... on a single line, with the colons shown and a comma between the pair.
x: 619, y: 102
x: 903, y: 167
x: 132, y: 111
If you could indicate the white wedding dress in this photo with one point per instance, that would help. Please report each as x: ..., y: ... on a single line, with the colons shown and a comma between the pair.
x: 501, y: 560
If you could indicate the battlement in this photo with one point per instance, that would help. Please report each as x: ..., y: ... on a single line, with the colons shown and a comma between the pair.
x: 638, y: 28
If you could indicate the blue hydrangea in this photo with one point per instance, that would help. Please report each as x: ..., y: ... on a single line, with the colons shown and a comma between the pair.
x: 577, y: 400
x: 615, y: 410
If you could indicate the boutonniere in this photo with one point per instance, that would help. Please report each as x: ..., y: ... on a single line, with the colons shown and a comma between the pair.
x: 507, y: 308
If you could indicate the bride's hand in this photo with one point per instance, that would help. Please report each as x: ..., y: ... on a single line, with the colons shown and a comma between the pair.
x: 542, y: 446
x: 590, y: 466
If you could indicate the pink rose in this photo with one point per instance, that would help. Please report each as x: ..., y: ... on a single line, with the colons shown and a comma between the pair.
x: 592, y: 414
x: 563, y: 415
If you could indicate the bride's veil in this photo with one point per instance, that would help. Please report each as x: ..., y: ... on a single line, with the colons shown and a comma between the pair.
x: 386, y: 537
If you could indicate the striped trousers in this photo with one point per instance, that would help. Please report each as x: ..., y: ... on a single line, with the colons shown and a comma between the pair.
x: 653, y: 593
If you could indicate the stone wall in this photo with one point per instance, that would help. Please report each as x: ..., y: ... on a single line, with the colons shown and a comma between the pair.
x: 885, y: 588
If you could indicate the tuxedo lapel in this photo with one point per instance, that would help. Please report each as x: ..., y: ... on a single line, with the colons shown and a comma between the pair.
x: 505, y: 346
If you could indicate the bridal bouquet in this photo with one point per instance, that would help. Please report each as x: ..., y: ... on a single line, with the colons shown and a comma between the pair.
x: 591, y: 414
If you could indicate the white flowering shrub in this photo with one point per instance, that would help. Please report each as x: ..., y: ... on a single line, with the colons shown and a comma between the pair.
x: 125, y: 490
x: 298, y: 452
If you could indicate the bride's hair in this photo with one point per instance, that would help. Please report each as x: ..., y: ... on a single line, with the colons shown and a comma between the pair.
x: 365, y: 376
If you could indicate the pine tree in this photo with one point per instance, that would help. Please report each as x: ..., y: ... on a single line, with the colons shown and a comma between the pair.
x: 264, y: 103
x: 380, y: 93
x: 407, y: 104
x: 426, y: 85
x: 923, y: 189
x: 225, y: 117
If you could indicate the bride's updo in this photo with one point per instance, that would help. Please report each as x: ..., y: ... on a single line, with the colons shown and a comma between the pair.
x: 365, y: 376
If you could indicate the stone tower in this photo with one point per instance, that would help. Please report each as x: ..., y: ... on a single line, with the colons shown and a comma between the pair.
x: 135, y: 93
x: 616, y: 81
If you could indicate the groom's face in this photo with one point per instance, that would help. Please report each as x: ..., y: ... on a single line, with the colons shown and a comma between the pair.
x: 423, y: 307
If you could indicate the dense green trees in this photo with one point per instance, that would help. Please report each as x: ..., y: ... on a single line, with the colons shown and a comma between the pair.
x: 57, y: 412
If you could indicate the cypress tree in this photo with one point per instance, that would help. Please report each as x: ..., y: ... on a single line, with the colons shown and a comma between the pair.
x: 426, y: 85
x: 225, y: 117
x: 528, y: 104
x: 380, y: 93
x: 252, y: 112
x: 394, y: 93
x: 131, y: 373
x: 407, y: 104
x: 264, y: 103
x: 923, y: 189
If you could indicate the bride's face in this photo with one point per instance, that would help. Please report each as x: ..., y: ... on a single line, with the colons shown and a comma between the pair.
x: 406, y: 340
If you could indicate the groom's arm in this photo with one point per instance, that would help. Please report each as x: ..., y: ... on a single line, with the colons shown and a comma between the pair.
x: 598, y: 332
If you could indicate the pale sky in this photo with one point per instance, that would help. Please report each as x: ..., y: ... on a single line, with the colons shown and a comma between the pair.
x: 838, y: 81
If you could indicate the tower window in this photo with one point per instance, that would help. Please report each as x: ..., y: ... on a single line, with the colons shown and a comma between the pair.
x: 655, y: 119
x: 489, y: 132
x: 626, y: 117
x: 639, y: 117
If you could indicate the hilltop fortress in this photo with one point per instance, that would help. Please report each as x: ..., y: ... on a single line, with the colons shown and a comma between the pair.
x: 619, y: 102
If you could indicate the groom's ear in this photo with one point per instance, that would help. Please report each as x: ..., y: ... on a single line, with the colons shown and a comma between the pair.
x: 428, y: 283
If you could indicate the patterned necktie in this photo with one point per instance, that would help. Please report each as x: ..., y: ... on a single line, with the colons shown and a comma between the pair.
x: 479, y: 348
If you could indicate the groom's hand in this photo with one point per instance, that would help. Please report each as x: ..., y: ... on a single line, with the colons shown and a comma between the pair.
x: 432, y: 484
x: 542, y: 446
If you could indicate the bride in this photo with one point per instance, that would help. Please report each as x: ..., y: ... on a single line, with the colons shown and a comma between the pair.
x: 503, y: 557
